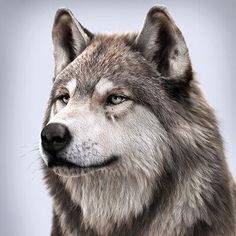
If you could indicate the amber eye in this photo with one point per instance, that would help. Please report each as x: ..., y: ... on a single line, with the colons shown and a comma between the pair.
x: 64, y: 98
x: 115, y: 99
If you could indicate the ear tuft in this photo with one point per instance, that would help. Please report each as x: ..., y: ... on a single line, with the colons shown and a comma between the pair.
x: 69, y: 37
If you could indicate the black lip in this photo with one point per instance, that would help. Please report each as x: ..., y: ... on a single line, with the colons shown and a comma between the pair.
x: 64, y: 163
x: 60, y: 162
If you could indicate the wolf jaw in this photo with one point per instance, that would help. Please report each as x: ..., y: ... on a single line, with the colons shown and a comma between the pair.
x: 171, y: 177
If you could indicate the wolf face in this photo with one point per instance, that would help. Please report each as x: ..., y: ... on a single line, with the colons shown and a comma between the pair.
x: 99, y: 96
x: 126, y: 125
x: 106, y: 122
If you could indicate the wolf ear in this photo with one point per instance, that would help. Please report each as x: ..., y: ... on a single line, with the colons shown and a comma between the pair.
x: 161, y: 42
x: 69, y: 37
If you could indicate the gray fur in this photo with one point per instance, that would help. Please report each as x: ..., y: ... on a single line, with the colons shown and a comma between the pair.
x: 170, y: 176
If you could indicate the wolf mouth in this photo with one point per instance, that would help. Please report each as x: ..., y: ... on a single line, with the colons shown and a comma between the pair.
x: 59, y: 162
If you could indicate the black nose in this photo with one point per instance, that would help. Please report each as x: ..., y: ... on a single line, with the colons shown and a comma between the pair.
x: 55, y: 137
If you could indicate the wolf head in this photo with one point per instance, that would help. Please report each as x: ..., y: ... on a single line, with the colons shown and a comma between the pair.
x: 103, y: 105
x: 125, y: 119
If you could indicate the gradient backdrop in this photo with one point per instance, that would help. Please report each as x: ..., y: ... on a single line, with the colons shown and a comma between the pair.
x: 26, y: 71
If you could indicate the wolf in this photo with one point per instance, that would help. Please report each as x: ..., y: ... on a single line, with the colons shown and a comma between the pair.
x: 129, y: 145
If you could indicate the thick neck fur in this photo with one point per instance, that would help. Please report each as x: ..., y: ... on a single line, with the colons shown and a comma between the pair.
x: 174, y: 212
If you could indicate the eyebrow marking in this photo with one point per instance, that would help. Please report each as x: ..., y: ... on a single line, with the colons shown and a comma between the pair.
x: 104, y: 86
x: 71, y: 85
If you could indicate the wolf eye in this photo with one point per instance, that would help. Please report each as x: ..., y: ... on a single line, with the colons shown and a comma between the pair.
x: 64, y: 98
x: 115, y: 99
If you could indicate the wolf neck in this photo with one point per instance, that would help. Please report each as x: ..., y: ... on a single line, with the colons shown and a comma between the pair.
x: 81, y: 210
x: 105, y: 209
x: 126, y: 210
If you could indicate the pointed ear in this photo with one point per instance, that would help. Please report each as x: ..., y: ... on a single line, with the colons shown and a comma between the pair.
x: 161, y: 42
x: 69, y: 37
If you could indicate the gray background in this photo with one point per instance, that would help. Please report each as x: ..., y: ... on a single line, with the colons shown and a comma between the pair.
x: 26, y: 70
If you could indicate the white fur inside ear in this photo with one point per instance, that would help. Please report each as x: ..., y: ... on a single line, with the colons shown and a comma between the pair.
x: 179, y: 63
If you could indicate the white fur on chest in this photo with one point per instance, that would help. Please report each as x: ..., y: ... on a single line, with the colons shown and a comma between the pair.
x: 109, y: 200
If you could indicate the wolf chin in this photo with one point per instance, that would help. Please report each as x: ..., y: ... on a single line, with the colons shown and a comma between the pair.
x: 129, y: 145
